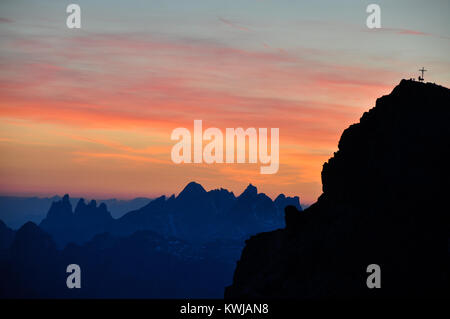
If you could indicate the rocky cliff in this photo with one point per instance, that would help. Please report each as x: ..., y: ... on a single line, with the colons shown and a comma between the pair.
x: 384, y: 202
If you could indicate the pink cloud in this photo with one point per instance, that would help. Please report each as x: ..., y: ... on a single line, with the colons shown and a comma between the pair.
x: 5, y: 20
x: 406, y: 31
x: 144, y: 82
x: 172, y: 82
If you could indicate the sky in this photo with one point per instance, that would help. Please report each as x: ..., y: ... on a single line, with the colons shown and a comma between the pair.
x: 90, y: 111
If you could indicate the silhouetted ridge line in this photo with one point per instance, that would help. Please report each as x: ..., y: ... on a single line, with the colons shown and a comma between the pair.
x: 195, y: 215
x: 16, y: 210
x: 384, y: 193
x: 183, y: 246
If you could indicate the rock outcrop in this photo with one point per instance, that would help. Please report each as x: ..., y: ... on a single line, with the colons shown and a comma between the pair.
x: 384, y: 202
x: 79, y: 226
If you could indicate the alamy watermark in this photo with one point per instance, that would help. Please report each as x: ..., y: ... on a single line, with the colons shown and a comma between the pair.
x: 213, y: 151
x: 373, y: 21
x: 74, y: 279
x: 73, y: 20
x: 374, y: 279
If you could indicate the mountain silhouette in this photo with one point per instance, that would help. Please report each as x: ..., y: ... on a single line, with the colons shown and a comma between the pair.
x: 16, y: 211
x: 79, y: 226
x: 384, y: 202
x: 28, y: 267
x: 184, y: 246
x: 142, y: 265
x: 195, y: 215
x: 6, y: 235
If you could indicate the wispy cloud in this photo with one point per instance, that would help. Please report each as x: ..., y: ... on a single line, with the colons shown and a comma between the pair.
x: 233, y: 24
x: 5, y: 20
x: 157, y: 83
x: 119, y: 156
x: 408, y: 32
x: 405, y: 31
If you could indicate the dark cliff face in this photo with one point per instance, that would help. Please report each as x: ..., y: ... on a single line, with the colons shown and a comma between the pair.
x: 384, y: 202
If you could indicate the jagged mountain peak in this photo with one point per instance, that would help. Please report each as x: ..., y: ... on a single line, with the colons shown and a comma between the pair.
x: 80, y: 205
x: 60, y: 209
x: 192, y: 189
x: 194, y: 214
x: 250, y: 192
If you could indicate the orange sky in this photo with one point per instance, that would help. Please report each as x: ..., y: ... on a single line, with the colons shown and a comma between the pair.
x: 91, y: 113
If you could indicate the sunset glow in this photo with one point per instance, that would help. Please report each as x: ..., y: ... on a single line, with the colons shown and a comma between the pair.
x: 90, y: 112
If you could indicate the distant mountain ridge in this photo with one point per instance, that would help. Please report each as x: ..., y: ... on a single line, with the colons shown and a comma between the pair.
x: 6, y: 235
x: 16, y: 211
x: 184, y: 246
x: 142, y: 265
x: 195, y: 215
